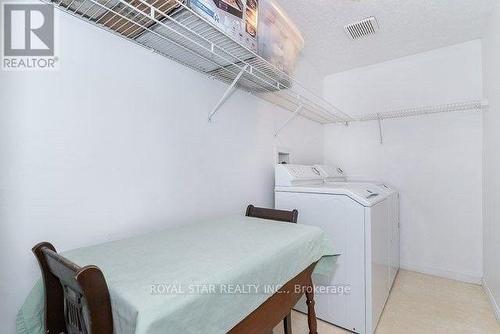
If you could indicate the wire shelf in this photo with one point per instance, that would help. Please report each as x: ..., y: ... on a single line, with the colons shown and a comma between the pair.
x: 172, y: 29
x: 426, y: 110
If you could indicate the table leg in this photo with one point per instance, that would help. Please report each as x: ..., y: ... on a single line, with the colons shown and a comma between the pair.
x: 287, y: 324
x: 311, y: 313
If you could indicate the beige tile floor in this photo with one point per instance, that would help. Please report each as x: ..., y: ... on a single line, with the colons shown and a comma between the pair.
x: 421, y: 304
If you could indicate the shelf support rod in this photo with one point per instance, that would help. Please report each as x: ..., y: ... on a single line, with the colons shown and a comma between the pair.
x: 295, y: 114
x: 228, y: 92
x: 379, y: 118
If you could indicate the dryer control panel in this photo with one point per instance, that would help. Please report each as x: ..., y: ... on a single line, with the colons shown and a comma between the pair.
x: 292, y: 175
x: 331, y: 173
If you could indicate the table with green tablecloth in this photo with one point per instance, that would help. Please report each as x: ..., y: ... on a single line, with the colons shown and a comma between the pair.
x: 199, y: 278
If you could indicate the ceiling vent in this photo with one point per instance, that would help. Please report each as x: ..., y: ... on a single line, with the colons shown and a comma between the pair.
x: 363, y: 28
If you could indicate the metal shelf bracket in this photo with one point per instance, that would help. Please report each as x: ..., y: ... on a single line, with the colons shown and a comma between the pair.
x: 380, y: 129
x: 227, y: 93
x: 295, y: 114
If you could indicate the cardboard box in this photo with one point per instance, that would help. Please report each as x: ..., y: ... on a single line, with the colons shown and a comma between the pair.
x: 233, y: 7
x: 280, y: 41
x: 237, y: 18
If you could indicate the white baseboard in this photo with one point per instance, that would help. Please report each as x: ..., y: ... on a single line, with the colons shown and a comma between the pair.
x: 493, y: 302
x: 467, y: 278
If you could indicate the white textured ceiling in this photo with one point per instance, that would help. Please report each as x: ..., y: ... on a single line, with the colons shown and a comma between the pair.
x: 406, y: 27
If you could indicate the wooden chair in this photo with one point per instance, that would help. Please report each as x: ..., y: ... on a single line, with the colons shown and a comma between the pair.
x: 282, y: 216
x: 76, y: 298
x: 273, y: 214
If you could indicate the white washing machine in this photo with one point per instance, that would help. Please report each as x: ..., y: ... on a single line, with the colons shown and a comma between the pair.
x: 358, y: 218
x: 333, y: 175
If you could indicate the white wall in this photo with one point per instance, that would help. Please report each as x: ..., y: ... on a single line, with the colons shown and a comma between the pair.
x: 435, y: 161
x: 491, y: 70
x: 117, y: 143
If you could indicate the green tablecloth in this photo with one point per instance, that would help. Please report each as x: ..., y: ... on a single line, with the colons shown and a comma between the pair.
x: 202, y: 278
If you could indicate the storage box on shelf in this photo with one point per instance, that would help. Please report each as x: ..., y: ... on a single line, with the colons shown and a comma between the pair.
x: 280, y: 41
x: 236, y: 18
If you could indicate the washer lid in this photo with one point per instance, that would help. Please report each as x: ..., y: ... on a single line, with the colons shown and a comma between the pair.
x: 365, y: 194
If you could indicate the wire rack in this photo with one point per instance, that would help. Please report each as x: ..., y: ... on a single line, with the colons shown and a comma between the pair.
x: 172, y: 29
x: 426, y: 110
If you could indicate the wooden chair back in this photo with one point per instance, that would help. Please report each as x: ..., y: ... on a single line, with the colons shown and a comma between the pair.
x: 76, y: 298
x: 273, y: 214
